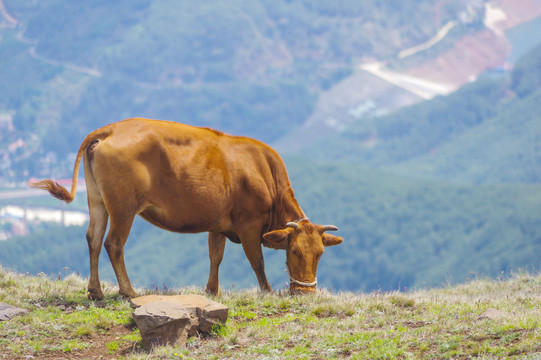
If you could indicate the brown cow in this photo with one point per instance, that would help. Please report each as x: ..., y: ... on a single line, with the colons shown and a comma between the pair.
x: 188, y: 180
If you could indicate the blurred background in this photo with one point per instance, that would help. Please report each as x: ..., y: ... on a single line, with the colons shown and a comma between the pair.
x: 414, y: 126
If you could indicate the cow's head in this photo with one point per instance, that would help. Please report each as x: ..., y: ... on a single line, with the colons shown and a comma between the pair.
x: 304, y: 243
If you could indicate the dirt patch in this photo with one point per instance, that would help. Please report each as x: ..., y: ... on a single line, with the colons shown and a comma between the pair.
x: 95, y: 348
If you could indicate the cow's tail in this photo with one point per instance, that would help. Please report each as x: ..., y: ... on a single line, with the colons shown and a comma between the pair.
x: 57, y: 190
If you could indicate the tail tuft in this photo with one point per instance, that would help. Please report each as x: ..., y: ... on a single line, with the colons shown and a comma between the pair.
x: 54, y: 188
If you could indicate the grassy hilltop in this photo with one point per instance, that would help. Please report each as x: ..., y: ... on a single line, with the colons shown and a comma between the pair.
x: 423, y: 324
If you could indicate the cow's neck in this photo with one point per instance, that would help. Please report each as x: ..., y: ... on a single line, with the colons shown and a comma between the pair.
x: 289, y: 210
x: 295, y: 213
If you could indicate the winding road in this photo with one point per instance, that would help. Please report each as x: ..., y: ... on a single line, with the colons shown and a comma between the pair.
x: 9, y: 21
x: 423, y: 88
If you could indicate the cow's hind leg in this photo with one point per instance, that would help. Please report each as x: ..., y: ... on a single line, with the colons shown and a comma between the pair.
x: 216, y: 254
x: 94, y: 237
x: 252, y: 248
x: 114, y: 244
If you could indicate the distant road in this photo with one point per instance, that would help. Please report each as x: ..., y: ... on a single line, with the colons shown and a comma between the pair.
x: 421, y: 87
x: 12, y: 22
x: 433, y: 41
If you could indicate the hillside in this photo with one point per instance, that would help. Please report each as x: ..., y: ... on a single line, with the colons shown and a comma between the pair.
x: 489, y: 319
x: 485, y: 37
x: 436, y: 192
x: 397, y: 233
x: 486, y: 132
x: 246, y: 67
x: 422, y: 196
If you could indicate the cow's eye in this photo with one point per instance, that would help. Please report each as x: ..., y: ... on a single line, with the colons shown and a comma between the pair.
x: 294, y: 252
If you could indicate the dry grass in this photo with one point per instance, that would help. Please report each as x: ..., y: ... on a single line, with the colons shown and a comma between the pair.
x: 432, y: 324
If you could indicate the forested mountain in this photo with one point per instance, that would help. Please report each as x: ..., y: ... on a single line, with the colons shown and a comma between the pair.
x: 246, y: 67
x: 487, y: 132
x: 435, y: 192
x: 397, y: 233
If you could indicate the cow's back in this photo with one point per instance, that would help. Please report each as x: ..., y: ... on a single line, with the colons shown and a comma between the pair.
x: 184, y: 178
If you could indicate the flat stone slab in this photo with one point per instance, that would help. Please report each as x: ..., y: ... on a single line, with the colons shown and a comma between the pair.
x: 162, y: 323
x: 204, y: 313
x: 8, y: 311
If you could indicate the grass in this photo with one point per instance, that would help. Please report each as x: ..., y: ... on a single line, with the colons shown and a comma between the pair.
x: 425, y: 324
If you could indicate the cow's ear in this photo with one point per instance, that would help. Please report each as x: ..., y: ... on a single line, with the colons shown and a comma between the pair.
x: 276, y: 239
x: 330, y: 240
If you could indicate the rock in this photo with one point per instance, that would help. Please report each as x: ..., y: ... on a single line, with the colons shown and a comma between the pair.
x: 494, y: 314
x: 162, y: 323
x: 8, y: 311
x: 203, y: 313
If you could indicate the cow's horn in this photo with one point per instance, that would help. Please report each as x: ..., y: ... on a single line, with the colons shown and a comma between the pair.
x: 292, y: 225
x: 329, y: 228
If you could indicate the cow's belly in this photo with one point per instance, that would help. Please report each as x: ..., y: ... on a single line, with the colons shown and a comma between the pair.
x: 189, y: 221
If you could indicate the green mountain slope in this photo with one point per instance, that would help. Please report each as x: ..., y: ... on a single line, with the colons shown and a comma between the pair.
x: 397, y: 233
x: 246, y: 67
x: 487, y: 132
x: 401, y: 232
x: 507, y: 148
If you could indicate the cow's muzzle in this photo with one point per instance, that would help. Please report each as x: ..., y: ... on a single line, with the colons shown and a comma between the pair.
x: 295, y: 289
x: 299, y: 287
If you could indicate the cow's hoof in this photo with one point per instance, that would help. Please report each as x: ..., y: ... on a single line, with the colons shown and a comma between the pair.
x: 94, y: 294
x: 213, y: 292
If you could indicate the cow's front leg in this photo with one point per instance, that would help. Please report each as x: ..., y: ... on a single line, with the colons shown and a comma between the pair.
x: 252, y: 249
x: 114, y: 244
x: 216, y: 254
